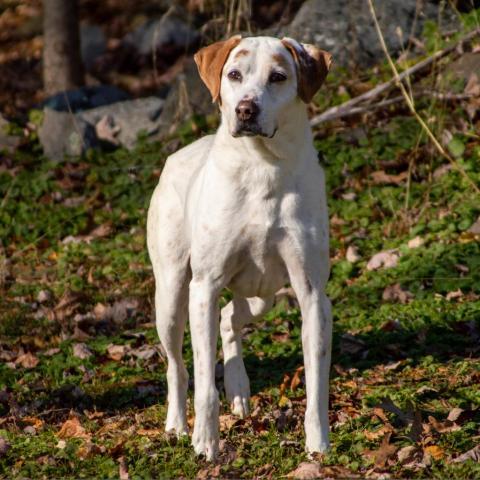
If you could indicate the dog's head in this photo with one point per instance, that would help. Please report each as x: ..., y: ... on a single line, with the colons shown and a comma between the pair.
x: 255, y: 80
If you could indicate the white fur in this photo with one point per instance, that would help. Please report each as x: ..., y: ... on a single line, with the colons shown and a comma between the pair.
x: 250, y: 214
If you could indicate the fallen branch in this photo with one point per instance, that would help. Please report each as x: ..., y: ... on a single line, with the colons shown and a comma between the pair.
x: 409, y: 100
x: 341, y: 110
x: 446, y: 97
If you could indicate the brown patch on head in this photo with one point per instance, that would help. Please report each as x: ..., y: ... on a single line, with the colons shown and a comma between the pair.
x: 281, y: 60
x: 242, y: 53
x: 312, y: 65
x: 210, y: 61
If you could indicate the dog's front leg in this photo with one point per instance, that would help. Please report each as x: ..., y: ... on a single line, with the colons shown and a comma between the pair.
x: 203, y: 309
x: 316, y: 341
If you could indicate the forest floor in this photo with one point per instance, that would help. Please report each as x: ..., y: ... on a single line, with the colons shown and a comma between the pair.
x: 82, y: 376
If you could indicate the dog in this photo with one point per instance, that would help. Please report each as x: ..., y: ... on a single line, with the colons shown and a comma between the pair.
x: 246, y: 209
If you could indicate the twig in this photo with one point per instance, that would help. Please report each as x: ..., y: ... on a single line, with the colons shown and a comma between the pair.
x: 383, y: 87
x: 409, y: 100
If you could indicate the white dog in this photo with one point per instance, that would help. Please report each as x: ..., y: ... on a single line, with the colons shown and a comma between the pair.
x: 244, y: 209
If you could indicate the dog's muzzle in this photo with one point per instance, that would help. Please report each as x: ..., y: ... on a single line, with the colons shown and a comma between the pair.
x: 247, y: 112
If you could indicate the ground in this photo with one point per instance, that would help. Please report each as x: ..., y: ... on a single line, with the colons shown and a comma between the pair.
x: 82, y: 377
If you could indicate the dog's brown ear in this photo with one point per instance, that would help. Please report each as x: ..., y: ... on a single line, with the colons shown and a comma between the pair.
x: 312, y: 64
x: 210, y: 61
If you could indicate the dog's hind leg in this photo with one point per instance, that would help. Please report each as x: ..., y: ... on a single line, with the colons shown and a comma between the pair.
x: 234, y: 316
x: 171, y: 305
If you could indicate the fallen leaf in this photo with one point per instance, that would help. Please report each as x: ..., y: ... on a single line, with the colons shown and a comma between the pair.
x: 27, y: 360
x: 416, y: 242
x: 122, y: 469
x: 382, y: 178
x: 297, y: 378
x: 454, y: 414
x: 306, y: 470
x: 80, y: 350
x: 106, y: 130
x: 89, y: 449
x: 227, y: 421
x: 406, y: 454
x: 382, y: 431
x: 116, y: 352
x: 472, y: 454
x: 72, y: 429
x: 443, y: 427
x: 387, y: 259
x: 152, y: 432
x: 383, y: 453
x: 475, y: 228
x: 395, y: 293
x: 35, y: 422
x: 454, y: 295
x: 436, y: 452
x: 61, y: 444
x: 352, y: 255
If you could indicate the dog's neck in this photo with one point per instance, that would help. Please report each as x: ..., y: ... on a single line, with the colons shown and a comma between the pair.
x: 292, y: 141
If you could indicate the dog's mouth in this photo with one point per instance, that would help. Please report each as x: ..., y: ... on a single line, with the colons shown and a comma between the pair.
x: 251, y: 130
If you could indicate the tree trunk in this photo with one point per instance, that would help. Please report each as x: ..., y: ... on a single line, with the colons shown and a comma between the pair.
x: 62, y: 63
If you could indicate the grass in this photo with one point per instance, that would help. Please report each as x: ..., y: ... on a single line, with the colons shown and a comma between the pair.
x: 419, y: 354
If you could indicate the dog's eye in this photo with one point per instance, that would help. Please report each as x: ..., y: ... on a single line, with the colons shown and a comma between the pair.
x: 277, y: 77
x: 235, y: 75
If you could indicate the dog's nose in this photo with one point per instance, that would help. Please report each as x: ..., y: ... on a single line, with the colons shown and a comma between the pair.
x: 246, y: 110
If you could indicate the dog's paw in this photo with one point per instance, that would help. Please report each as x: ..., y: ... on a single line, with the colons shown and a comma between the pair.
x: 237, y: 390
x: 239, y: 406
x: 176, y: 423
x: 314, y: 448
x: 205, y: 443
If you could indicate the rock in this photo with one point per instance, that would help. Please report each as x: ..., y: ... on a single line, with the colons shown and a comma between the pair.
x: 188, y: 96
x: 8, y: 142
x: 65, y: 134
x: 171, y: 31
x: 345, y: 27
x: 93, y: 44
x: 72, y: 134
x: 128, y: 119
x: 85, y: 98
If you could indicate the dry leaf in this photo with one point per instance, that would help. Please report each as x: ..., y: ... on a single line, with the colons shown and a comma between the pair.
x: 306, y: 470
x: 72, y: 429
x: 443, y: 427
x: 80, y: 350
x: 434, y: 451
x: 352, y: 254
x: 455, y: 414
x: 152, y: 432
x: 382, y: 178
x: 297, y: 378
x: 227, y: 421
x: 35, y: 422
x: 116, y: 352
x: 385, y: 451
x: 107, y: 130
x: 472, y: 454
x: 416, y: 242
x: 407, y: 454
x: 27, y: 360
x: 382, y: 431
x: 387, y: 259
x: 395, y: 293
x: 122, y: 469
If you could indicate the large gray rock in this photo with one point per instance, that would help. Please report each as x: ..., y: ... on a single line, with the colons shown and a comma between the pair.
x: 128, y: 119
x: 119, y: 124
x: 345, y: 27
x: 65, y: 134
